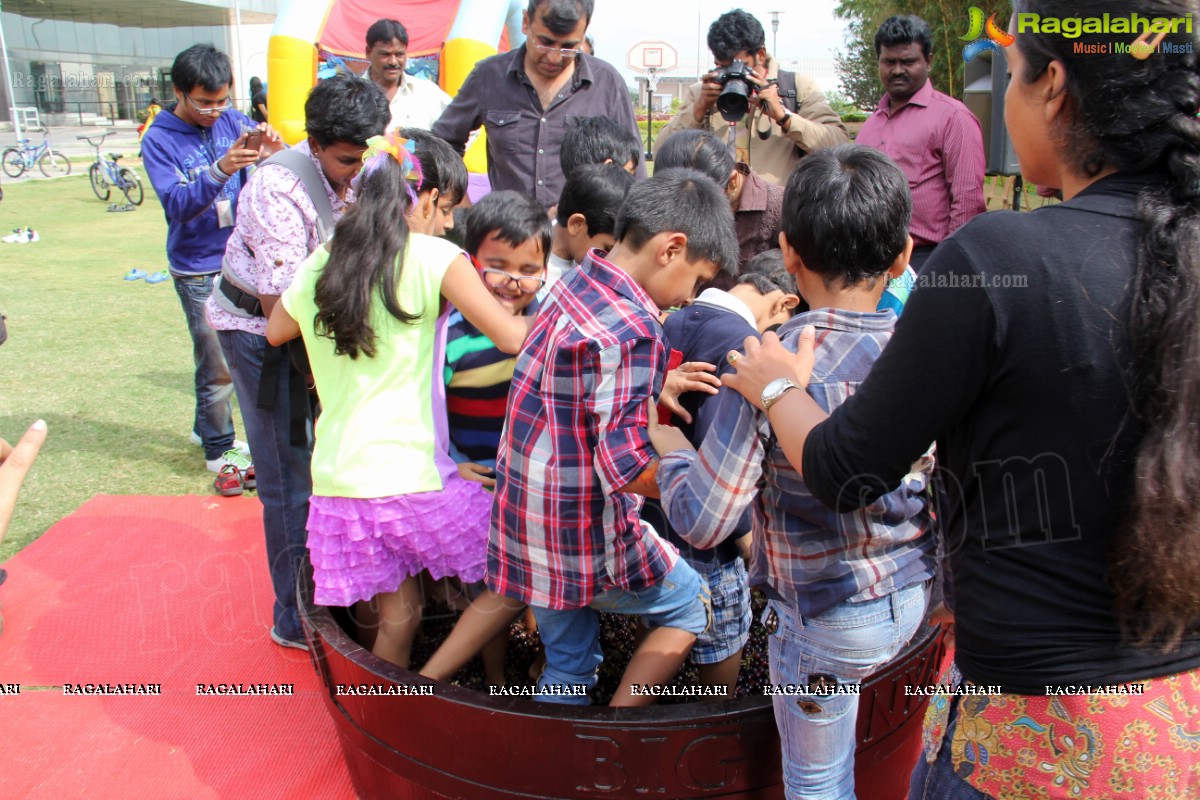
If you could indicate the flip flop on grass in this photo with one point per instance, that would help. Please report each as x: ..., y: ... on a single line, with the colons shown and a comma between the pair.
x: 158, y: 277
x: 135, y: 274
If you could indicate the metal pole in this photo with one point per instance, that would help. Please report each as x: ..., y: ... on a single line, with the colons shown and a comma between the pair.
x: 8, y: 84
x: 775, y: 33
x: 649, y: 116
x: 241, y: 73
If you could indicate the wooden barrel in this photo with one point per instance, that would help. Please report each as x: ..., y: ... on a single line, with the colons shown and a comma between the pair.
x: 426, y: 740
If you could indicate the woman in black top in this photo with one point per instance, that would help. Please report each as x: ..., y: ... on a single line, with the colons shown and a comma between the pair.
x: 1055, y: 358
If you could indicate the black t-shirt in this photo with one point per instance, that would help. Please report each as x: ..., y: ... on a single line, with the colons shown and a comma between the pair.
x: 259, y: 98
x: 1012, y: 355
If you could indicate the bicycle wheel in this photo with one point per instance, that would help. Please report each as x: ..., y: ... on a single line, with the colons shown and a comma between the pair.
x: 54, y: 164
x: 131, y: 185
x: 14, y: 162
x: 99, y: 186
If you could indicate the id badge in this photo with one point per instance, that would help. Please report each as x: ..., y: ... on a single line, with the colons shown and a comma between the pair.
x: 224, y: 213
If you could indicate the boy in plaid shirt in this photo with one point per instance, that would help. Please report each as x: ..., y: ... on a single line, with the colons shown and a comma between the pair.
x: 847, y: 591
x: 566, y: 536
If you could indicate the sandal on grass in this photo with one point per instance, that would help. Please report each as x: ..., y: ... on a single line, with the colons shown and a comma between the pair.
x: 135, y: 274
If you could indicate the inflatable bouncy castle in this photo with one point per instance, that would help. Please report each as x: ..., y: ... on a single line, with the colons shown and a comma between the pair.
x: 462, y: 32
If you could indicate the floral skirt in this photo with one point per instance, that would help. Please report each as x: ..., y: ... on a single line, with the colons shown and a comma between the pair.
x: 1137, y: 740
x: 360, y: 547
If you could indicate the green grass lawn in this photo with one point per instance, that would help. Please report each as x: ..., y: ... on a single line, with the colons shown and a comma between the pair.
x: 107, y: 363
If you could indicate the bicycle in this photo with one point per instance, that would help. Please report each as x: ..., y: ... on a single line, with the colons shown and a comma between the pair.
x: 106, y: 173
x: 52, y: 163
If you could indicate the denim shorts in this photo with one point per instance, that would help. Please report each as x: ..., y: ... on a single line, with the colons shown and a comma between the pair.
x: 680, y: 600
x: 731, y: 615
x: 571, y: 637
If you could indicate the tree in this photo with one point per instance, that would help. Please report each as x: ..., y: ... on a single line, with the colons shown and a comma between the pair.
x: 948, y: 20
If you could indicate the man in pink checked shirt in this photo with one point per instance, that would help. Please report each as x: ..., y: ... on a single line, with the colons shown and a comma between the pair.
x: 934, y: 139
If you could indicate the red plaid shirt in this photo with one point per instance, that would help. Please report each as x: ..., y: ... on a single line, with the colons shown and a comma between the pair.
x: 575, y: 434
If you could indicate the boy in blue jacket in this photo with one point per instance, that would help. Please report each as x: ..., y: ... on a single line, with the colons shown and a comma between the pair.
x: 195, y: 157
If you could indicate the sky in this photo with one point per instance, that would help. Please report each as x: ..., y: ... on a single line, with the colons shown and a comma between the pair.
x: 807, y: 30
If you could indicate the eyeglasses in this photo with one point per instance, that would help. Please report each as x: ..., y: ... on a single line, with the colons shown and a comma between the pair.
x: 499, y: 279
x: 564, y: 52
x: 210, y: 110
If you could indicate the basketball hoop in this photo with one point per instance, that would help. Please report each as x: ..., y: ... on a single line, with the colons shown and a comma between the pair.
x: 651, y: 58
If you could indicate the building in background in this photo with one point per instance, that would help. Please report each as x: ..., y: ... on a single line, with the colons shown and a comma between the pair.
x: 93, y: 62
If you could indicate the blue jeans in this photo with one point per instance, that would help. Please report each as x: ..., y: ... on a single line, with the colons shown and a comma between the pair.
x: 937, y: 781
x: 844, y: 645
x: 571, y: 637
x: 214, y: 413
x: 282, y: 469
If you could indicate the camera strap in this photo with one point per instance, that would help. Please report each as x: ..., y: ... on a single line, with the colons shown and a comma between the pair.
x: 785, y: 84
x: 787, y: 89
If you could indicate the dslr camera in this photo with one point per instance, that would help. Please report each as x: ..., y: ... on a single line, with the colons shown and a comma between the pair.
x: 736, y: 91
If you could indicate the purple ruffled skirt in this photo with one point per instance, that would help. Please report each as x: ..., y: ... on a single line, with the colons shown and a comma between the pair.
x: 360, y: 547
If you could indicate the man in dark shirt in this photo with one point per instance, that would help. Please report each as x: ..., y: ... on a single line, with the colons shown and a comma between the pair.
x: 524, y: 97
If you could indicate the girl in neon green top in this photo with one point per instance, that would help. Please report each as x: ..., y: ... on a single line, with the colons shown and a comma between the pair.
x: 384, y: 507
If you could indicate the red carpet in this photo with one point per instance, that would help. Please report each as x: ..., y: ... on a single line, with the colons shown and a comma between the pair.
x: 155, y: 590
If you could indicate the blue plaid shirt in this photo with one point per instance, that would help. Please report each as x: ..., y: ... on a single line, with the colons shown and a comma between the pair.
x: 576, y: 433
x: 811, y: 556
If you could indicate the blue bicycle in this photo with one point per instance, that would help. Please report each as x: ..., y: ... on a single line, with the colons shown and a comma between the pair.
x: 52, y: 163
x: 105, y: 173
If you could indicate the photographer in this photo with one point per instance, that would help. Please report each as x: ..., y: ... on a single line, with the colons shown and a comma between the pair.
x: 786, y: 114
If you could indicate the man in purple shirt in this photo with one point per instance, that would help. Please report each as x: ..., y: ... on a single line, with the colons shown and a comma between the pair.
x: 934, y: 139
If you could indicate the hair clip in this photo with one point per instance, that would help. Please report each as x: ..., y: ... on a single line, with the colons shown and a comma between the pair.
x: 392, y: 145
x: 1144, y: 46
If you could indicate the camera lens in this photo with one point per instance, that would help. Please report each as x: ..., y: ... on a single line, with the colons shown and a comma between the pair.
x: 734, y: 100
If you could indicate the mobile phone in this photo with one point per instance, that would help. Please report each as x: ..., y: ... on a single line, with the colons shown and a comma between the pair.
x: 253, y: 138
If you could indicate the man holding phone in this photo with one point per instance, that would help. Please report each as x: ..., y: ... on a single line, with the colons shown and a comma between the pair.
x: 195, y: 157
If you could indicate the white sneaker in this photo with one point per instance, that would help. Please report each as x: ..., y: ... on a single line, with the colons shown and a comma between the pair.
x: 215, y: 464
x: 18, y: 236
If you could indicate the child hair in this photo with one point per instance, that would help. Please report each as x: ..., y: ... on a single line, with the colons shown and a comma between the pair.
x: 846, y: 212
x: 513, y: 216
x: 366, y: 255
x: 700, y: 150
x: 1156, y: 558
x: 204, y: 66
x: 681, y: 201
x: 441, y: 167
x: 767, y: 273
x: 345, y: 109
x: 595, y: 140
x: 596, y: 191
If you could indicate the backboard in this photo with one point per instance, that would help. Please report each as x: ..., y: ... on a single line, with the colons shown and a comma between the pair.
x: 652, y: 56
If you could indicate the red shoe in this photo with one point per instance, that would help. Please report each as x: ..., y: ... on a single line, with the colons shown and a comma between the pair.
x: 229, y: 481
x: 236, y: 458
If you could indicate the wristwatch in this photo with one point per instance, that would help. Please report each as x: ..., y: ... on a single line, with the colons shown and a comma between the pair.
x: 774, y: 391
x: 785, y: 123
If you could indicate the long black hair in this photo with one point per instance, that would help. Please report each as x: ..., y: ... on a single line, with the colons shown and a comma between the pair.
x: 1139, y: 116
x: 366, y: 256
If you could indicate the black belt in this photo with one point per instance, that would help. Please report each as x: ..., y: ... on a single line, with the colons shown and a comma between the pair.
x: 243, y: 300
